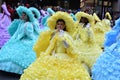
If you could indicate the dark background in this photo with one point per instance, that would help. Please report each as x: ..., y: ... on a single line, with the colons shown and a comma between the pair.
x: 9, y: 76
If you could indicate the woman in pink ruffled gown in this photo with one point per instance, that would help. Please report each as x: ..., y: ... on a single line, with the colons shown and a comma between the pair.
x: 5, y: 21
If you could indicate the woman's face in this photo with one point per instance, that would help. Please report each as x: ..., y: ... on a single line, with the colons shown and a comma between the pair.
x: 24, y: 16
x: 60, y: 25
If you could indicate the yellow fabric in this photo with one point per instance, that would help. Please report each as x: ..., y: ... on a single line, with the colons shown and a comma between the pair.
x: 106, y: 25
x: 77, y: 34
x: 96, y: 18
x: 70, y: 27
x: 83, y: 14
x: 81, y: 31
x: 59, y: 59
x: 88, y: 49
x: 100, y: 28
x: 57, y: 62
x: 99, y: 33
x: 109, y: 16
x: 42, y: 42
x: 57, y: 45
x: 87, y: 35
x: 52, y: 68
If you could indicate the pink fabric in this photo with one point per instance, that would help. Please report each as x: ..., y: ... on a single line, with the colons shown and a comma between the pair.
x: 4, y: 7
x: 5, y: 21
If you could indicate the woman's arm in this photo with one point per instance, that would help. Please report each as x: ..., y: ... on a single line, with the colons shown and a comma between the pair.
x: 69, y: 45
x: 51, y: 45
x: 25, y: 30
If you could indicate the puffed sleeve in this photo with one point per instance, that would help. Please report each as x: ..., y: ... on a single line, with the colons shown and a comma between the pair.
x: 13, y: 27
x: 42, y: 42
x: 69, y: 45
x: 26, y: 30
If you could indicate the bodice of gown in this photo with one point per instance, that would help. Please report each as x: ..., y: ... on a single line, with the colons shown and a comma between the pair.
x: 87, y: 35
x: 59, y: 44
x: 59, y: 48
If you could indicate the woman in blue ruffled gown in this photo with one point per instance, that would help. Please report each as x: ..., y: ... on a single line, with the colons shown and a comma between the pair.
x: 17, y: 54
x: 107, y: 66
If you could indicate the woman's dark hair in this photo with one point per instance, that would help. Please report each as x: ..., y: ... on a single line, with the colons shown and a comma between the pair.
x: 84, y: 20
x: 61, y: 20
x: 15, y: 15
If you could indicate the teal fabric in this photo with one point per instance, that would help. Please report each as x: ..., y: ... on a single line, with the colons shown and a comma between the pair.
x: 36, y: 11
x: 13, y: 26
x: 44, y: 29
x: 11, y: 67
x: 36, y: 28
x: 44, y: 20
x: 73, y: 16
x: 50, y: 11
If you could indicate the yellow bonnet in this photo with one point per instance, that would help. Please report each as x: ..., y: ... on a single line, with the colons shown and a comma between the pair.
x: 69, y: 23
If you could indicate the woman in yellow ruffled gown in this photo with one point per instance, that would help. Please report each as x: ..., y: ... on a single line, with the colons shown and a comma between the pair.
x: 57, y: 60
x: 88, y: 49
x: 98, y: 30
x: 106, y: 22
